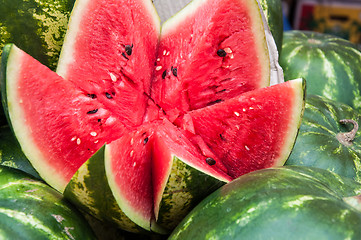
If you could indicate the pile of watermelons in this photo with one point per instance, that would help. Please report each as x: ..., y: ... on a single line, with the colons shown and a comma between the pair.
x: 131, y: 119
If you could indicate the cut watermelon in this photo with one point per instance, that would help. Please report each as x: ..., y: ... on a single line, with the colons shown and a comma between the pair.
x: 180, y: 112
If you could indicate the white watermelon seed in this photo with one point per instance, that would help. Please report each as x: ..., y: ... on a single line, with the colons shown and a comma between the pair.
x: 78, y: 141
x: 93, y: 134
x: 228, y: 50
x: 158, y: 68
x: 73, y: 138
x: 113, y: 77
x: 236, y: 113
x: 246, y: 147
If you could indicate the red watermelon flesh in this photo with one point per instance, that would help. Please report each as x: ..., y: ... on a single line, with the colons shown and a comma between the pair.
x: 238, y: 132
x: 190, y: 74
x: 149, y: 147
x: 112, y: 56
x: 49, y: 116
x: 251, y: 121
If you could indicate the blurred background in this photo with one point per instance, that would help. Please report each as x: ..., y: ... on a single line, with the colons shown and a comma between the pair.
x: 337, y: 17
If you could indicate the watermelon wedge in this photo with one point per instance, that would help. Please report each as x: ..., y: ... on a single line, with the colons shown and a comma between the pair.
x: 180, y: 109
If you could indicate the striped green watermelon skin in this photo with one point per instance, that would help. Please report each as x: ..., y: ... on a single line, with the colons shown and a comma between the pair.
x: 11, y: 154
x: 317, y: 144
x: 278, y: 203
x: 30, y: 209
x: 330, y: 65
x: 185, y: 188
x: 89, y: 187
x: 36, y: 26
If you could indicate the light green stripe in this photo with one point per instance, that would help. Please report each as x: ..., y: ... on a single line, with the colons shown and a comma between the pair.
x: 27, y: 182
x: 329, y: 71
x: 30, y: 220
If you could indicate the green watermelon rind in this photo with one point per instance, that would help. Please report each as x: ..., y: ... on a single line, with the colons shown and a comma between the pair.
x: 89, y: 187
x: 317, y: 144
x: 4, y: 100
x: 299, y: 202
x: 32, y: 209
x: 329, y: 63
x: 38, y: 27
x: 185, y: 188
x: 11, y: 154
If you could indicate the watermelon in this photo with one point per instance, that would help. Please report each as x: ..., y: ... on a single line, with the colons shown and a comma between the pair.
x: 272, y: 10
x: 11, y: 154
x: 329, y: 64
x: 278, y: 203
x: 167, y: 114
x: 37, y: 27
x: 30, y: 209
x: 329, y: 138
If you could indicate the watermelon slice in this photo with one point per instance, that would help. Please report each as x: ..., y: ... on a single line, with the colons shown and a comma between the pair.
x: 180, y: 110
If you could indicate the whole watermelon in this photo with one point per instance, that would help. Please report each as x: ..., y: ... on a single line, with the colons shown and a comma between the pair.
x: 38, y: 27
x: 329, y: 138
x: 30, y: 209
x: 278, y: 203
x: 330, y: 65
x: 11, y: 154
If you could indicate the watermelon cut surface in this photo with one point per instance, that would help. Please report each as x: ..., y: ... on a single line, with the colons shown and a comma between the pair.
x: 246, y: 120
x: 188, y: 102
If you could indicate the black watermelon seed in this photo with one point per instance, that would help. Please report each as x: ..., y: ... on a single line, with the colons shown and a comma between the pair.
x: 125, y: 56
x: 164, y: 74
x: 221, y: 136
x: 92, y: 95
x: 210, y: 161
x: 128, y: 49
x: 221, y: 53
x: 174, y: 71
x: 108, y: 95
x: 214, y: 102
x: 145, y: 140
x: 92, y: 111
x: 99, y: 120
x: 223, y: 90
